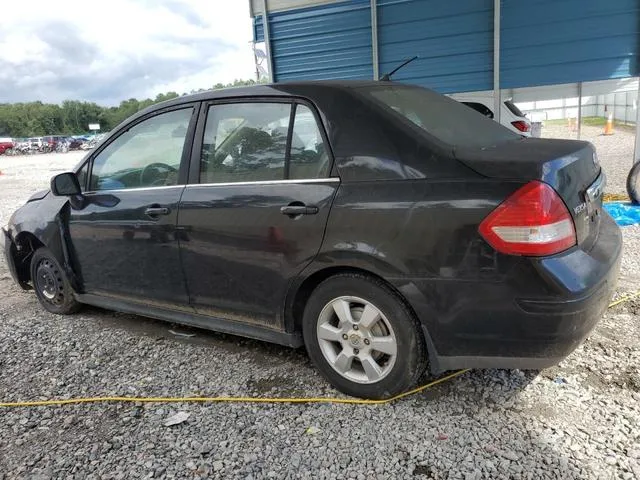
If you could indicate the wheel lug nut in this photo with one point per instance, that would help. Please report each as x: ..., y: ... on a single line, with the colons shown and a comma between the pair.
x: 356, y: 351
x: 366, y: 341
x: 355, y: 327
x: 345, y: 336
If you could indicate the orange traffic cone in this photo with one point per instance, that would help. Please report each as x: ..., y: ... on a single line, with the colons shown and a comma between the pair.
x: 608, y: 128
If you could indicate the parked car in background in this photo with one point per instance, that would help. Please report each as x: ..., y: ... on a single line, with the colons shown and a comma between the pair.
x: 36, y: 143
x: 75, y: 142
x: 53, y: 140
x: 22, y: 147
x: 510, y: 115
x: 6, y: 143
x: 387, y: 228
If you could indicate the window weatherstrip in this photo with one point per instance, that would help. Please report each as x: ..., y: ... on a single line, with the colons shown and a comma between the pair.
x: 134, y: 189
x: 287, y: 148
x: 267, y: 182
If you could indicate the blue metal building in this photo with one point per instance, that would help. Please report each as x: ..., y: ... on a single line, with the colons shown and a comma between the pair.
x: 539, y: 42
x: 463, y: 45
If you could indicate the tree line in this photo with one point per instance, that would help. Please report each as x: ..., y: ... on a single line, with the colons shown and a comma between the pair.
x: 34, y: 119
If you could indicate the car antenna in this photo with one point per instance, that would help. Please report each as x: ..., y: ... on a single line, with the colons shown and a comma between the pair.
x: 387, y: 76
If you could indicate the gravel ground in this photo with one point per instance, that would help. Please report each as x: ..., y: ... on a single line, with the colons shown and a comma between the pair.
x: 578, y: 420
x: 615, y: 152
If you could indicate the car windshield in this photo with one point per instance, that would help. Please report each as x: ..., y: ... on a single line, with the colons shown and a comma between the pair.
x: 447, y: 120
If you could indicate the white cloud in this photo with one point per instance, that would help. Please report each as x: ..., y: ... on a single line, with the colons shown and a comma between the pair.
x: 52, y: 51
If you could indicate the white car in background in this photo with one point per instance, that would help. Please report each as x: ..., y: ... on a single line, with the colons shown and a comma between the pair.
x: 510, y: 115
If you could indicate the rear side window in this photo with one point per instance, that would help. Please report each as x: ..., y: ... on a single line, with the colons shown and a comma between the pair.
x: 513, y: 109
x: 245, y: 142
x: 480, y: 108
x: 309, y: 155
x: 447, y: 120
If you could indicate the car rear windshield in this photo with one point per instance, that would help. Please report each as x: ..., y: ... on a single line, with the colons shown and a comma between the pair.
x: 447, y: 120
x: 513, y: 109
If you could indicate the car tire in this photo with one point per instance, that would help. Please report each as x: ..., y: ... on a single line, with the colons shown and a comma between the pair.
x: 349, y: 316
x: 633, y: 184
x: 51, y: 284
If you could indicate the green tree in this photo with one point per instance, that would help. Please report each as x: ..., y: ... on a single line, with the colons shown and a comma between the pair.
x: 73, y: 117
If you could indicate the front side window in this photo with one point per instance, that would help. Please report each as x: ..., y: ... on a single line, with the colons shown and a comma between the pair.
x: 82, y: 176
x: 309, y: 156
x: 146, y: 155
x: 245, y: 142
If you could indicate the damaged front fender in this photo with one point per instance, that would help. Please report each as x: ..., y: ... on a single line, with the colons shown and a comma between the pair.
x: 42, y: 223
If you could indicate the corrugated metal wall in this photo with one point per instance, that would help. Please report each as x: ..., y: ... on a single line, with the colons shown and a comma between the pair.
x: 547, y: 42
x: 454, y: 41
x: 329, y: 41
x: 543, y: 42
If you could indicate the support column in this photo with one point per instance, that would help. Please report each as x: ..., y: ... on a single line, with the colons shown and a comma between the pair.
x: 579, y: 108
x: 497, y: 100
x: 267, y: 39
x: 374, y: 39
x: 636, y: 150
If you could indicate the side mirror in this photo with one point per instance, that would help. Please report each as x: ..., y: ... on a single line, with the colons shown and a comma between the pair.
x: 65, y: 185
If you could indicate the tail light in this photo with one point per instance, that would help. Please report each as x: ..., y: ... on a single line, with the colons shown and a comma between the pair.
x: 532, y: 221
x: 521, y: 125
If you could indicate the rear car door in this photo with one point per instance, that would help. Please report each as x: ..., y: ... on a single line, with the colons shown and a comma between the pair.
x: 123, y: 231
x: 255, y: 210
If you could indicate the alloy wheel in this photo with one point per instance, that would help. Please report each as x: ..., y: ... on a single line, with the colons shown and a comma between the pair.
x: 356, y: 339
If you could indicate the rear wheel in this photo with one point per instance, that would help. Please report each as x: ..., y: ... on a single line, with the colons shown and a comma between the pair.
x: 633, y: 184
x: 51, y: 285
x: 362, y: 337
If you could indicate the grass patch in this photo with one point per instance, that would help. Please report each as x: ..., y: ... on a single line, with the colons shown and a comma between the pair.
x: 590, y: 122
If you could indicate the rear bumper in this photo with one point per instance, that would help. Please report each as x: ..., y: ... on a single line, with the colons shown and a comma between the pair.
x: 539, y: 334
x: 493, y: 325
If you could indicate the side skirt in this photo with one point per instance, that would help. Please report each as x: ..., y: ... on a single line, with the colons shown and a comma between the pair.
x: 193, y: 319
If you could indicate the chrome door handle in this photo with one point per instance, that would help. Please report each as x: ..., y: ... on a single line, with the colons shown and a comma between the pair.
x: 157, y: 211
x: 294, y: 210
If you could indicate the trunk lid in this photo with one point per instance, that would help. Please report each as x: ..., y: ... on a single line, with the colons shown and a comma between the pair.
x: 569, y: 166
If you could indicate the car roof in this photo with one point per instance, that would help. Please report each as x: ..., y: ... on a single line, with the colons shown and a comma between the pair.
x: 272, y: 89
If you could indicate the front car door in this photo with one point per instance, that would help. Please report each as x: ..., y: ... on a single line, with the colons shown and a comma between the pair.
x: 123, y: 231
x: 256, y: 206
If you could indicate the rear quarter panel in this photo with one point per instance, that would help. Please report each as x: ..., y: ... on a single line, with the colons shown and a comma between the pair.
x: 422, y: 237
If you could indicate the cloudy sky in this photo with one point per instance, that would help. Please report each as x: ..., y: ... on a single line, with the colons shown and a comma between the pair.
x: 110, y: 51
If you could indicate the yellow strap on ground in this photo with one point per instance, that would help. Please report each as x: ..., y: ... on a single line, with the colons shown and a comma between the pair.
x: 350, y: 401
x: 626, y: 298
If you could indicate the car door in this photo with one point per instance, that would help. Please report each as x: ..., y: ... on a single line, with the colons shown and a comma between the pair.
x: 123, y: 229
x: 255, y: 210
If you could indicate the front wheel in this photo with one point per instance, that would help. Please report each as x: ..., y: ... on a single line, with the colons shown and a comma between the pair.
x: 363, y: 338
x: 51, y: 285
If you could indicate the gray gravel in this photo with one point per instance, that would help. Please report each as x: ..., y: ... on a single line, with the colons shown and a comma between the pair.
x: 578, y: 420
x: 615, y: 152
